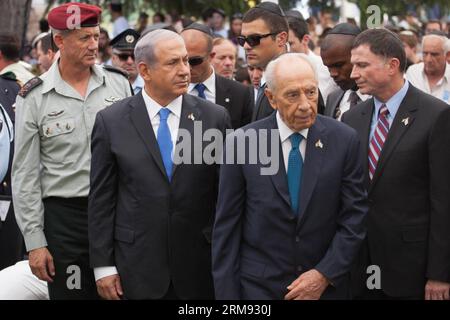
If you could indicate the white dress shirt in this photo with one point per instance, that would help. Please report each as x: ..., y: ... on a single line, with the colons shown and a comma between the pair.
x: 285, y: 133
x: 344, y: 105
x: 173, y: 121
x: 416, y: 75
x: 210, y: 91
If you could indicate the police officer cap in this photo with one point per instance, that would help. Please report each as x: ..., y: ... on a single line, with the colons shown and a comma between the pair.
x: 126, y: 40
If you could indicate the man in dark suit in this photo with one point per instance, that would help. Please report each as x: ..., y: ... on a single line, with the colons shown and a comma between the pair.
x: 274, y: 235
x: 207, y: 84
x: 150, y: 217
x: 336, y: 53
x: 405, y: 136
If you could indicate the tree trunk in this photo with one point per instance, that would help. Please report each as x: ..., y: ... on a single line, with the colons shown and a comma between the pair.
x: 15, y: 17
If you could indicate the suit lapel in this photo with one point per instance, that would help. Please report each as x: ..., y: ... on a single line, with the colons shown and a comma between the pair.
x: 312, y: 165
x: 258, y: 103
x: 140, y: 119
x: 189, y: 113
x: 223, y: 96
x: 279, y: 179
x: 402, y: 122
x: 363, y: 129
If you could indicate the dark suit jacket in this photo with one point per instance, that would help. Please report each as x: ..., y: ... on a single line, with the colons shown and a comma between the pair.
x: 236, y: 98
x: 333, y: 101
x: 260, y: 247
x: 263, y: 109
x: 409, y: 217
x: 154, y: 231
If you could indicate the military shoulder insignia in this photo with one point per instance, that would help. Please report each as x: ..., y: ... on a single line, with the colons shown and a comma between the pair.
x: 116, y: 70
x: 29, y: 86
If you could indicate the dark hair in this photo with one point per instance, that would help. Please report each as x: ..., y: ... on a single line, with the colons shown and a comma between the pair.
x: 162, y: 18
x: 9, y: 46
x: 242, y: 75
x: 383, y: 43
x: 104, y: 31
x: 275, y: 22
x: 116, y: 7
x: 43, y: 25
x: 298, y: 26
x: 46, y: 43
x: 433, y: 21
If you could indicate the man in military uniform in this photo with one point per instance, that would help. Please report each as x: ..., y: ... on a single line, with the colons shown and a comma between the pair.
x: 55, y: 116
x: 11, y: 240
x: 123, y: 57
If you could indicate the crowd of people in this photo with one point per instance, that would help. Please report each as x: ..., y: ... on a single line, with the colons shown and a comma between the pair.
x: 94, y: 203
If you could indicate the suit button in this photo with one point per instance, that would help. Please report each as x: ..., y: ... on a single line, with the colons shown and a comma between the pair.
x: 5, y: 185
x: 299, y: 268
x: 297, y: 239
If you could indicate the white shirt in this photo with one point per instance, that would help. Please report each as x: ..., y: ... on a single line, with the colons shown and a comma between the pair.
x: 138, y: 84
x: 344, y: 105
x: 285, y: 133
x: 326, y: 83
x: 416, y: 75
x: 119, y: 25
x: 173, y: 121
x: 210, y: 91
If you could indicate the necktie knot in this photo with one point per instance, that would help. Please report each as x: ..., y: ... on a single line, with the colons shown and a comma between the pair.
x: 295, y: 138
x: 384, y: 111
x: 201, y: 90
x: 164, y: 114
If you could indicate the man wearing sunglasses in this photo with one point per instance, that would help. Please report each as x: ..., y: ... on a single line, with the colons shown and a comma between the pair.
x: 264, y: 36
x: 123, y: 57
x: 207, y: 84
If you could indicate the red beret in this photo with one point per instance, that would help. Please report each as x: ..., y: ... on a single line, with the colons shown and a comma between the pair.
x: 73, y: 15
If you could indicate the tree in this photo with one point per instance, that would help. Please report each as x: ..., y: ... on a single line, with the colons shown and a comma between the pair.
x: 16, y: 17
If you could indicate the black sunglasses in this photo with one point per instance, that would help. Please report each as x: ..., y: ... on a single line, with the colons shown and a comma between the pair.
x: 195, y: 61
x: 253, y: 40
x: 125, y: 56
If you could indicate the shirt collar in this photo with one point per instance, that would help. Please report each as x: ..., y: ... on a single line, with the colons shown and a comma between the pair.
x: 153, y: 107
x: 394, y: 102
x: 209, y: 83
x: 286, y: 132
x: 263, y: 79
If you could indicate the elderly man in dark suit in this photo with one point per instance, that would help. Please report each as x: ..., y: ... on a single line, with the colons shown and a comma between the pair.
x: 207, y: 84
x: 274, y: 235
x: 150, y: 216
x: 405, y: 136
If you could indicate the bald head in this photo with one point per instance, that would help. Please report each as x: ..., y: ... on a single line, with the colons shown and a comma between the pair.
x: 287, y: 65
x: 196, y: 37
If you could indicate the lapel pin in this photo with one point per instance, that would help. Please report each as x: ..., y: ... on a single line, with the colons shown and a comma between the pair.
x: 191, y: 116
x: 227, y: 100
x: 405, y: 121
x: 319, y: 144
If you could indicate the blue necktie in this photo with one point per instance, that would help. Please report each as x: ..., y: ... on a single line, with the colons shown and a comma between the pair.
x: 201, y: 90
x: 294, y: 172
x: 165, y: 141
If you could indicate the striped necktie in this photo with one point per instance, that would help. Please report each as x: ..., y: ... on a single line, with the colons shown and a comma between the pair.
x: 378, y: 139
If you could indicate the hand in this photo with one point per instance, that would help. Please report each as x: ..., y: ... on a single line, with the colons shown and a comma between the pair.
x: 437, y: 290
x: 309, y: 286
x: 109, y: 287
x: 41, y: 264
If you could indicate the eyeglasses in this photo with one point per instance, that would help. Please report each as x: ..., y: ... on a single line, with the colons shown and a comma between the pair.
x: 253, y: 40
x: 195, y: 61
x: 125, y: 56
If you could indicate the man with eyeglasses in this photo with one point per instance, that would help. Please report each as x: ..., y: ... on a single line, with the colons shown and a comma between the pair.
x: 123, y: 57
x: 264, y: 36
x: 207, y: 84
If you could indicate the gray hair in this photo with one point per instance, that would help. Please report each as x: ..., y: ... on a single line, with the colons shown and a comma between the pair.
x: 272, y: 67
x: 444, y: 39
x: 63, y: 33
x: 145, y: 47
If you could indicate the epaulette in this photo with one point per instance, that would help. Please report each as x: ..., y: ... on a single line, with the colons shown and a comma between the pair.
x: 9, y: 76
x: 29, y: 86
x: 116, y: 70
